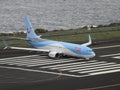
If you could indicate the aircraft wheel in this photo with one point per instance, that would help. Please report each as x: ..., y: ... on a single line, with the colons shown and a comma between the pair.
x: 59, y: 55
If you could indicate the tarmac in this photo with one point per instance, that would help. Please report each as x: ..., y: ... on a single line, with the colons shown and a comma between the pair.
x: 23, y: 70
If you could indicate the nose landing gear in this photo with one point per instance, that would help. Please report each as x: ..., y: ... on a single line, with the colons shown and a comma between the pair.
x: 87, y: 58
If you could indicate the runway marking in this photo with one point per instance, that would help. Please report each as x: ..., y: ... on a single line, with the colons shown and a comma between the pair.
x: 31, y: 64
x: 77, y: 69
x: 73, y: 67
x: 101, y: 87
x: 117, y: 57
x: 67, y: 64
x: 31, y: 70
x: 30, y: 61
x: 106, y: 47
x: 105, y: 72
x: 91, y: 67
x: 101, y: 70
x: 110, y: 55
x: 19, y: 57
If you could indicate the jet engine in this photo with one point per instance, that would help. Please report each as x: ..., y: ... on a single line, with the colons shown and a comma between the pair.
x: 55, y: 55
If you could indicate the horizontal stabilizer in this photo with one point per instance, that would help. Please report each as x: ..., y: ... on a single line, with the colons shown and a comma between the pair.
x: 19, y: 38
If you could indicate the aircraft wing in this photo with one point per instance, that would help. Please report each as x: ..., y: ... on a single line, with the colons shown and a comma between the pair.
x: 21, y: 48
x: 29, y: 49
x: 88, y: 43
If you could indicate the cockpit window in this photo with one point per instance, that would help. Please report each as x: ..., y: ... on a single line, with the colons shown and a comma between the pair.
x: 89, y: 50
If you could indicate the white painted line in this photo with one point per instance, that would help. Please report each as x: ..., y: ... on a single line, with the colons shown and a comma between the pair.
x: 18, y: 64
x: 30, y: 60
x: 89, y: 67
x: 78, y: 65
x: 105, y: 72
x: 22, y: 59
x: 68, y: 65
x: 27, y: 61
x: 19, y: 57
x: 40, y: 62
x: 84, y: 67
x: 37, y: 57
x: 40, y: 71
x: 117, y: 67
x: 31, y: 63
x: 64, y: 64
x: 49, y: 64
x: 106, y: 47
x: 110, y: 55
x: 18, y: 60
x: 117, y: 57
x: 54, y: 61
x: 94, y: 68
x: 35, y: 63
x: 59, y: 62
x: 43, y: 56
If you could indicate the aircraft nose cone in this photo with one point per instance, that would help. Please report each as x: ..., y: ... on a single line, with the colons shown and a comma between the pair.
x: 93, y: 54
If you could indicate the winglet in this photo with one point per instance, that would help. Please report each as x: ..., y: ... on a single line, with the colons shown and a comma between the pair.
x: 89, y: 42
x: 5, y: 44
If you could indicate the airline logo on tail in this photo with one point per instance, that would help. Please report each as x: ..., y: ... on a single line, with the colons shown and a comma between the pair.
x: 28, y: 30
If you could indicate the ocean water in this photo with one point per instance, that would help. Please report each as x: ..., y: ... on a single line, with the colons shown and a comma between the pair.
x: 57, y: 14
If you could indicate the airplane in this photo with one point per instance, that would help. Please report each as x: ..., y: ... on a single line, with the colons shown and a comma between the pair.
x: 55, y: 49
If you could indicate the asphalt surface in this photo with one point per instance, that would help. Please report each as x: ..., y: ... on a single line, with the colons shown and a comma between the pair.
x: 23, y: 70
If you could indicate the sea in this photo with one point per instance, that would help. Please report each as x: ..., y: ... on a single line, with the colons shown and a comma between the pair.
x: 57, y: 14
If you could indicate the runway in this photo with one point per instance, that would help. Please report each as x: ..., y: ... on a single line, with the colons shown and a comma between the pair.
x: 37, y: 71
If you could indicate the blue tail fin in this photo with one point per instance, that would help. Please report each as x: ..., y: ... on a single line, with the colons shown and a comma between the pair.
x: 30, y: 31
